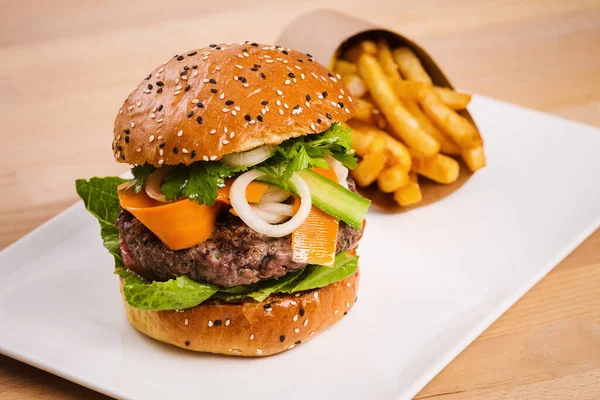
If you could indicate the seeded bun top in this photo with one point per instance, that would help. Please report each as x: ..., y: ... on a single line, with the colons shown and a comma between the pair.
x: 226, y: 99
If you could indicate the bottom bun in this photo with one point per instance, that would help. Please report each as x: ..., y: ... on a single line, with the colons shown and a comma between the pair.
x: 249, y: 328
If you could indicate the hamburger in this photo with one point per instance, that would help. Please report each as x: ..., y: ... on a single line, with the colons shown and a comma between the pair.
x: 237, y: 232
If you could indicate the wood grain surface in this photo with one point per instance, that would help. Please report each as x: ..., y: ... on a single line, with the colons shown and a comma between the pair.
x: 67, y: 65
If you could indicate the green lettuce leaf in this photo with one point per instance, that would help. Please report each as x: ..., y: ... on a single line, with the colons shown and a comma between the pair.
x: 260, y: 290
x: 174, y: 294
x: 99, y: 196
x: 318, y: 276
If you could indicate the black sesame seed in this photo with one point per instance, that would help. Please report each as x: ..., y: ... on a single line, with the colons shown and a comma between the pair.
x: 302, y: 312
x: 229, y: 102
x: 308, y: 54
x: 284, y: 51
x: 345, y: 312
x: 282, y: 338
x: 126, y: 131
x: 212, y: 45
x: 199, y: 120
x: 190, y: 114
x: 218, y: 48
x: 160, y: 107
x: 119, y: 148
x: 328, y: 115
x: 310, y: 60
x: 263, y: 75
x: 247, y: 117
x: 242, y: 79
x: 113, y: 146
x: 161, y: 145
x: 176, y: 55
x: 318, y: 120
x: 193, y: 53
x: 267, y: 306
x: 340, y: 104
x: 298, y: 342
x: 122, y: 156
x: 159, y: 90
x: 159, y: 83
x: 187, y: 87
x: 217, y: 322
x: 264, y: 102
x: 200, y: 105
x: 256, y: 65
x: 329, y: 74
x: 187, y: 343
x: 183, y: 73
x: 259, y: 117
x: 254, y: 69
x: 291, y: 75
x: 185, y: 67
x: 254, y: 44
x: 212, y: 81
x: 299, y: 60
x: 296, y: 107
x: 180, y: 58
x: 308, y: 97
x: 324, y: 95
x: 356, y: 299
x: 244, y: 50
x: 213, y: 90
x: 175, y: 150
x: 193, y: 153
x: 126, y: 139
x: 194, y: 66
x: 149, y: 76
x: 150, y: 86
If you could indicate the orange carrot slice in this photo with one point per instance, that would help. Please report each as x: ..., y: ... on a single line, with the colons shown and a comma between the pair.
x: 314, y: 242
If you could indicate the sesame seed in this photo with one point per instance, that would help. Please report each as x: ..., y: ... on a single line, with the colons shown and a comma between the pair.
x: 184, y: 151
x: 305, y: 322
x: 282, y: 338
x: 258, y: 351
x: 205, y: 80
x: 205, y: 158
x: 312, y: 333
x: 279, y: 92
x: 180, y: 58
x: 213, y: 131
x: 133, y: 124
x: 287, y: 82
x: 259, y: 117
x: 213, y: 158
x: 328, y: 115
x: 286, y: 106
x: 227, y: 322
x: 186, y: 321
x: 295, y: 318
x: 291, y: 347
x: 225, y: 109
x: 217, y: 322
x: 280, y: 111
x: 346, y: 109
x: 210, y: 324
x: 152, y: 115
x: 267, y: 307
x: 345, y: 312
x: 139, y: 150
x: 239, y: 66
x: 161, y: 152
x: 160, y: 107
x: 213, y: 90
x: 160, y: 120
x: 307, y: 104
x: 177, y: 81
x: 180, y: 133
x: 301, y: 312
x: 193, y: 153
x: 347, y: 304
x: 195, y: 101
x: 233, y: 112
x: 324, y: 95
x: 187, y: 342
x: 336, y: 311
x: 316, y: 295
x: 161, y: 161
x: 221, y: 96
x: 176, y: 92
x: 225, y: 141
x: 151, y: 139
x: 297, y: 67
x: 263, y: 75
x: 252, y: 336
x: 184, y: 78
x: 237, y: 108
x: 195, y: 73
x: 199, y: 120
x: 190, y: 114
x: 240, y: 55
x: 200, y: 105
x: 278, y: 102
x: 297, y: 330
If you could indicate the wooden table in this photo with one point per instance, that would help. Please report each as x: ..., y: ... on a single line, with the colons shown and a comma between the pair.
x: 67, y: 65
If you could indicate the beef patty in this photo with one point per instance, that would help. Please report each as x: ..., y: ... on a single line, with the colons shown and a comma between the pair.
x: 234, y: 254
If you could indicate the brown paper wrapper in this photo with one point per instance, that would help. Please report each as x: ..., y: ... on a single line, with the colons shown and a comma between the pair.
x: 325, y: 34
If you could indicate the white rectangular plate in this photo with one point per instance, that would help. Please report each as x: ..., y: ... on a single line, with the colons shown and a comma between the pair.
x: 432, y: 280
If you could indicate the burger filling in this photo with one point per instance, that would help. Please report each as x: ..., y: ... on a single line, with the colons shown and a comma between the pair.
x: 275, y: 219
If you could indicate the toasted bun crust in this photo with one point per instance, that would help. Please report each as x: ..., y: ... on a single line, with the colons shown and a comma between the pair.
x: 213, y: 101
x: 249, y: 328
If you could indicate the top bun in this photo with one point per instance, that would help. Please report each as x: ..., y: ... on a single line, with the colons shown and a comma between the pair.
x: 224, y: 99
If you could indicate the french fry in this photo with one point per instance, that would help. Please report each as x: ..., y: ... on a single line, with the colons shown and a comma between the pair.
x: 364, y: 47
x: 410, y: 91
x: 404, y: 125
x: 378, y: 144
x: 379, y: 119
x: 410, y: 65
x: 362, y: 136
x: 439, y: 168
x: 384, y: 56
x: 392, y: 178
x: 454, y: 100
x: 447, y: 146
x: 460, y: 129
x: 354, y: 84
x: 369, y: 168
x: 365, y: 111
x: 474, y: 158
x: 409, y: 194
x: 344, y: 67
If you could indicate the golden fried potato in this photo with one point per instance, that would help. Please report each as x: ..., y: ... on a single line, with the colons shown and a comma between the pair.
x: 354, y: 84
x: 474, y: 158
x: 447, y: 145
x: 409, y: 194
x: 454, y: 100
x: 369, y: 168
x: 392, y: 178
x: 439, y: 168
x: 362, y: 136
x: 410, y: 65
x: 364, y: 47
x: 344, y: 67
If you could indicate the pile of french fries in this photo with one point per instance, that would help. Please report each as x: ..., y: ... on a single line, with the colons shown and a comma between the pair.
x: 405, y: 125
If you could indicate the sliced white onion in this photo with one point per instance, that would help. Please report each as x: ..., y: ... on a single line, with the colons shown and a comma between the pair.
x: 249, y: 158
x: 275, y: 195
x: 277, y: 208
x: 340, y: 171
x: 269, y: 217
x: 237, y: 195
x: 154, y: 182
